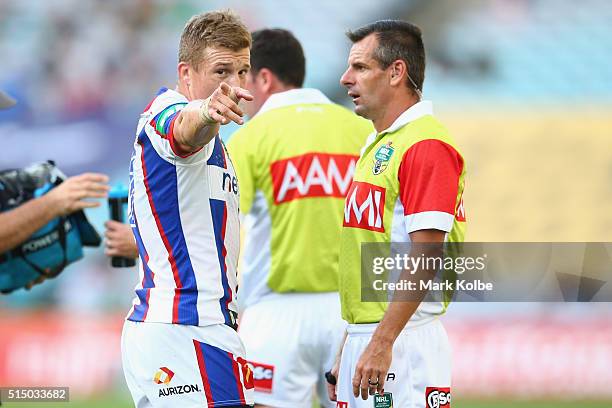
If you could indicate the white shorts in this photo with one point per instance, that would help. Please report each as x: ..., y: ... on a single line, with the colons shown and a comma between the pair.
x: 291, y: 341
x: 173, y: 365
x: 420, y: 369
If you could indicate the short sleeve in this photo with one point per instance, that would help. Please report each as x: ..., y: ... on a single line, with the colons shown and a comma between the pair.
x: 242, y: 154
x: 163, y: 126
x: 429, y: 182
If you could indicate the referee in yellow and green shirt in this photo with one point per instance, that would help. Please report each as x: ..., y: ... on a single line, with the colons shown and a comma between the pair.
x: 407, y: 187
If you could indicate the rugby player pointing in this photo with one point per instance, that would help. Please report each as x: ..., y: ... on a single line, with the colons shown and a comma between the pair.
x: 179, y: 344
x: 407, y: 187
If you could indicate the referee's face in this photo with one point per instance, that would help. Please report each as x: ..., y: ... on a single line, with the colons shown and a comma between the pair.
x: 366, y: 82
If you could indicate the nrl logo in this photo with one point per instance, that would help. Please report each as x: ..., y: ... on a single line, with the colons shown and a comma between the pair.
x: 382, y: 157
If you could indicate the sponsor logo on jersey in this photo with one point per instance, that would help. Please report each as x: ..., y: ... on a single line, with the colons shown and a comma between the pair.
x: 436, y: 397
x: 229, y: 183
x: 390, y: 377
x: 312, y: 175
x: 163, y: 376
x: 178, y: 390
x: 263, y: 376
x: 382, y: 157
x: 383, y: 400
x: 224, y: 184
x: 247, y: 373
x: 364, y: 207
x: 341, y: 404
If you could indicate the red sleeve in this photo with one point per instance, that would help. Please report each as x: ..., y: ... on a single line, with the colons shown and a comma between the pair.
x: 429, y: 181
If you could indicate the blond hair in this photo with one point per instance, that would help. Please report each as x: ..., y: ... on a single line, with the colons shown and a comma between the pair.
x: 213, y: 29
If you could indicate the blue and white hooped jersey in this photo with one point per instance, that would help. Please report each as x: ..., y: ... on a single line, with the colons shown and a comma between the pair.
x: 184, y: 215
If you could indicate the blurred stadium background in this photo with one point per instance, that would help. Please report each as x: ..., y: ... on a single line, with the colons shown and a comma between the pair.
x: 525, y: 86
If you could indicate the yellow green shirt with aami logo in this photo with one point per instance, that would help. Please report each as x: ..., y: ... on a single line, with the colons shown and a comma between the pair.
x: 294, y: 161
x: 409, y: 177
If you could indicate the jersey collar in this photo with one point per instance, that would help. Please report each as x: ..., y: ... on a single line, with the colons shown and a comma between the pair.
x: 411, y: 114
x: 293, y: 97
x: 174, y: 92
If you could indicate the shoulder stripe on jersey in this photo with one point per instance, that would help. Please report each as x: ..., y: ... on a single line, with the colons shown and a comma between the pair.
x: 161, y: 122
x: 218, y: 209
x: 217, y: 369
x: 163, y: 126
x: 169, y: 127
x: 217, y: 158
x: 161, y: 185
x: 140, y: 311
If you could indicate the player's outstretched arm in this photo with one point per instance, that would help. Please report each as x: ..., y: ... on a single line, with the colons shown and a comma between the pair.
x: 199, y: 121
x: 19, y: 224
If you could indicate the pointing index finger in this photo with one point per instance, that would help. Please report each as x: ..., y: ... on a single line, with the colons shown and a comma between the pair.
x: 225, y: 88
x: 243, y: 94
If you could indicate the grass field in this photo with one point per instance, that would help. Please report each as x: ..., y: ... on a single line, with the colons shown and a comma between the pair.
x: 122, y: 401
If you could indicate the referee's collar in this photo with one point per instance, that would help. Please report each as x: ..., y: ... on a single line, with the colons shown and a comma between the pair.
x: 293, y: 97
x: 411, y: 114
